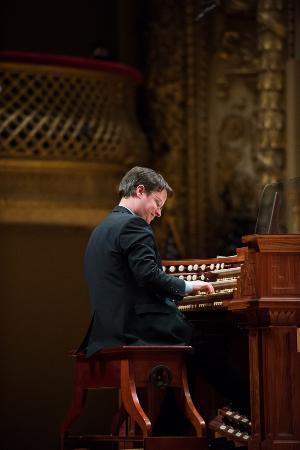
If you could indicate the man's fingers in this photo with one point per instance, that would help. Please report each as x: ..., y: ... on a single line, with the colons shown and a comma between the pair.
x: 207, y: 287
x: 210, y: 288
x: 199, y: 286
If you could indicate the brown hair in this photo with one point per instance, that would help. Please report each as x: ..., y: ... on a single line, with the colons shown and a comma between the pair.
x: 151, y: 180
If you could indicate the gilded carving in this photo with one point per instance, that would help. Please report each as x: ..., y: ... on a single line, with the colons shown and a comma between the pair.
x: 270, y: 60
x: 269, y: 100
x: 271, y: 118
x: 240, y: 146
x: 237, y: 47
x: 67, y: 136
x: 239, y: 5
x: 233, y: 125
x: 170, y: 98
x: 273, y: 21
x: 197, y: 124
x: 62, y: 113
x: 269, y: 42
x: 270, y: 81
x: 236, y: 169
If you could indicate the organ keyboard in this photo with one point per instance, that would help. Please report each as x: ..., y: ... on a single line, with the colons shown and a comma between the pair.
x: 222, y: 272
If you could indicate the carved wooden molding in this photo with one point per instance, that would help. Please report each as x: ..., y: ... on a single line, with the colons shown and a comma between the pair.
x: 282, y: 317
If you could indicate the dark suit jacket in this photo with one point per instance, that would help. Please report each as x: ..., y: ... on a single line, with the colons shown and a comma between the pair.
x: 130, y: 294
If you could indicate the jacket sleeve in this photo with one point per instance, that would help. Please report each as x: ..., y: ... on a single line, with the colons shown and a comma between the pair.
x: 137, y: 243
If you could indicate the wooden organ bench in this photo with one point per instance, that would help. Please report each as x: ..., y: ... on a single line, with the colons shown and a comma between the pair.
x: 130, y: 369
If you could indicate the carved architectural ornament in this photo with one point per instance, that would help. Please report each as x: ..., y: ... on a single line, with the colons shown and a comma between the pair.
x: 50, y: 112
x: 165, y: 97
x: 232, y: 133
x: 271, y: 118
x: 172, y: 90
x: 213, y: 136
x: 282, y: 317
x: 67, y: 137
x: 248, y: 275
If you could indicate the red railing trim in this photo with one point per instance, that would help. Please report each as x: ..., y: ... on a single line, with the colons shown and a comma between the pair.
x: 72, y: 61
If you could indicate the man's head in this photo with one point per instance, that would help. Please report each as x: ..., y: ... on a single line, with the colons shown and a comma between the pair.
x: 144, y: 191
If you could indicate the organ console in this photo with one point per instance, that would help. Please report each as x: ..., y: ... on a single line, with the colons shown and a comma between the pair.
x: 258, y: 289
x: 222, y: 272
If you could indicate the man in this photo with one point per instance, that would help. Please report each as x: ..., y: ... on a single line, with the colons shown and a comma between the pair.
x: 133, y: 300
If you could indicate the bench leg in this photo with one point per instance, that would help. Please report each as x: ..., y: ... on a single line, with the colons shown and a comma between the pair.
x: 130, y: 399
x: 189, y: 407
x: 119, y: 418
x: 74, y: 411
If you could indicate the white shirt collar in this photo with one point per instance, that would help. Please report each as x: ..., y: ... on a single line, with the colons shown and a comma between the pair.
x: 128, y: 209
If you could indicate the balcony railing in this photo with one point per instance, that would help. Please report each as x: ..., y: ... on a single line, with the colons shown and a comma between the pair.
x: 61, y: 107
x: 68, y: 132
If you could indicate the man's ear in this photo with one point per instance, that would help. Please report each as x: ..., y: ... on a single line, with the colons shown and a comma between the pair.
x: 140, y: 190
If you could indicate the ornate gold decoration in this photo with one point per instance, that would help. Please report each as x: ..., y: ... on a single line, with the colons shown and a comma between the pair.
x: 165, y: 98
x: 197, y: 178
x: 237, y: 6
x: 63, y: 113
x: 67, y: 136
x: 173, y: 95
x: 232, y: 159
x: 214, y: 137
x: 290, y: 39
x: 271, y: 126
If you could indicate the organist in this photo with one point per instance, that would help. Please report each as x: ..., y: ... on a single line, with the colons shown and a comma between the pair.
x: 133, y: 299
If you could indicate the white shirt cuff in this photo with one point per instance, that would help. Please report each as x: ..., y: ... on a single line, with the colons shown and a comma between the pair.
x: 188, y: 287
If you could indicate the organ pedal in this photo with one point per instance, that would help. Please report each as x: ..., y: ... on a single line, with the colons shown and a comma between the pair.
x: 232, y: 425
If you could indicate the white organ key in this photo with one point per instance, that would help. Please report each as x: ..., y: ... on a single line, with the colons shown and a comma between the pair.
x: 231, y: 271
x: 190, y: 267
x: 195, y: 267
x: 203, y: 267
x: 189, y: 277
x: 181, y: 277
x: 181, y: 268
x: 212, y: 266
x: 172, y: 269
x: 202, y: 277
x: 164, y: 268
x: 194, y: 277
x: 217, y: 266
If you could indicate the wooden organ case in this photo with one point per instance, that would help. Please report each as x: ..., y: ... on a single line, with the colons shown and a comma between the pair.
x: 259, y: 290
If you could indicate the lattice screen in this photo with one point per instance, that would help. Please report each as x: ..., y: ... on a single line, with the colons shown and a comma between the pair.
x: 55, y: 113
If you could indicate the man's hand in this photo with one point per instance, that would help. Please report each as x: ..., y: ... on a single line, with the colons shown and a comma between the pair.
x: 201, y: 286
